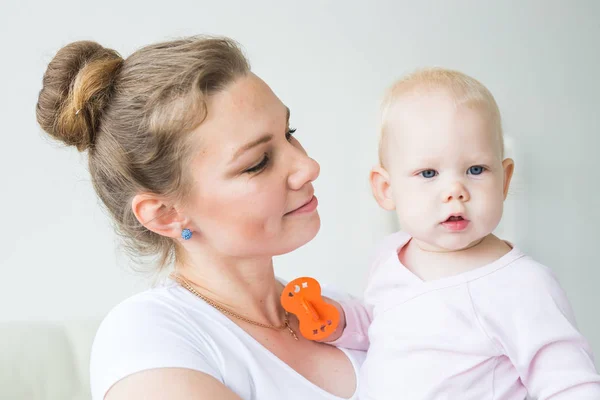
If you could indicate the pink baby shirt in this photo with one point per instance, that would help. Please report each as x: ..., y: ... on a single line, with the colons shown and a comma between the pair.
x: 497, y: 332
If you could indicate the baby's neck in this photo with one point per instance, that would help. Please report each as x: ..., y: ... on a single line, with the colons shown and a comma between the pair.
x: 428, y: 265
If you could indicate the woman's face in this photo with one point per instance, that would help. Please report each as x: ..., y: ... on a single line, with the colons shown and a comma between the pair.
x: 251, y: 194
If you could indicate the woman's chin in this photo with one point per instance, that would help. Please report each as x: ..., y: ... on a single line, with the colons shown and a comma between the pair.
x: 300, y: 236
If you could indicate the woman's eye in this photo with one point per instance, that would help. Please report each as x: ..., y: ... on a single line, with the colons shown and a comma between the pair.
x: 476, y: 170
x: 260, y: 166
x: 428, y: 173
x: 289, y: 134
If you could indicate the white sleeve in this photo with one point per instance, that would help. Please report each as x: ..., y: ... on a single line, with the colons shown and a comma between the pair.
x: 141, y: 334
x: 534, y: 325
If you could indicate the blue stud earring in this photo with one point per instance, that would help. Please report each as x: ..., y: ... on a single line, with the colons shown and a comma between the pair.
x: 186, y: 234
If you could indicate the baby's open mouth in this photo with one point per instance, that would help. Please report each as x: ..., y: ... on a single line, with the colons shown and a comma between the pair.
x: 456, y: 223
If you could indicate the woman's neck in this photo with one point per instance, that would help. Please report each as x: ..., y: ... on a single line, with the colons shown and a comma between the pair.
x: 245, y: 286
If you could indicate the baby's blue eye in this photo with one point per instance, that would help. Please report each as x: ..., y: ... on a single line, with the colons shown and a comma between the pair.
x: 476, y: 170
x: 429, y: 173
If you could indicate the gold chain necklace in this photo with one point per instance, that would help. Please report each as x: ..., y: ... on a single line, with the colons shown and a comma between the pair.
x: 187, y: 285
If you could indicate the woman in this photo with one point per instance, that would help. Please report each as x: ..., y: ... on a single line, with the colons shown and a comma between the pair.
x: 193, y: 156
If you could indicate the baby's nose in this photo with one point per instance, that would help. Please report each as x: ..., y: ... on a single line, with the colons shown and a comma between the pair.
x: 456, y: 191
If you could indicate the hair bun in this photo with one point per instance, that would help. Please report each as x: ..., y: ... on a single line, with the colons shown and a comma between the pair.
x: 76, y: 89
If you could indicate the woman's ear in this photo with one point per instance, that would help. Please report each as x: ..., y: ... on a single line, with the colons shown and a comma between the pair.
x: 508, y: 165
x: 157, y: 215
x: 381, y: 188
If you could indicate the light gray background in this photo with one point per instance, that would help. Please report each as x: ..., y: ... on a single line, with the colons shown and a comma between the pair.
x: 330, y: 61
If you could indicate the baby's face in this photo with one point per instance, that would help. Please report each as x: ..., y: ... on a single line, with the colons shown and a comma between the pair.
x: 446, y: 170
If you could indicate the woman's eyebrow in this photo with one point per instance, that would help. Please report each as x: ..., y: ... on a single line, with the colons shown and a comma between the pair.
x: 263, y: 139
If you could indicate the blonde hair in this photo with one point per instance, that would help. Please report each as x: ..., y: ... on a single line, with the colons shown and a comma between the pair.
x: 463, y: 89
x: 133, y: 117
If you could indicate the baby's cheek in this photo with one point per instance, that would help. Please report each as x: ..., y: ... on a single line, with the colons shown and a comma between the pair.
x: 405, y: 208
x: 492, y: 212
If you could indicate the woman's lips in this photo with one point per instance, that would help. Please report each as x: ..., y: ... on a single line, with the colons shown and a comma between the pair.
x: 309, y: 207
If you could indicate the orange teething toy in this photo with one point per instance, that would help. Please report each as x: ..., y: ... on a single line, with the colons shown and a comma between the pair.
x: 317, y: 319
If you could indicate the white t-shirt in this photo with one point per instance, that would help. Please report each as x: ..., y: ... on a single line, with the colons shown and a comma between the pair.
x: 168, y: 326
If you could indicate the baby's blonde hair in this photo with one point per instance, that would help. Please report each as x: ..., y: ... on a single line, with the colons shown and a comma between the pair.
x: 461, y: 87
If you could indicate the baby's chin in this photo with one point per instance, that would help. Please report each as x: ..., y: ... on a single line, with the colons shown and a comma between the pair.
x: 449, y: 244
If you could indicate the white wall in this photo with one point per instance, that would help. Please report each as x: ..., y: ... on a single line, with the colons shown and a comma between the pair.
x: 330, y: 62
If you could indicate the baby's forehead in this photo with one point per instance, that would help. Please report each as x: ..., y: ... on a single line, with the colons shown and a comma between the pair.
x: 436, y: 95
x: 417, y: 106
x: 434, y: 110
x: 420, y: 122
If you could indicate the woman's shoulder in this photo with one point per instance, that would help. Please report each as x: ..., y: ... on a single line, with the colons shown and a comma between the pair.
x: 151, y: 307
x: 162, y: 314
x: 159, y: 301
x: 158, y: 328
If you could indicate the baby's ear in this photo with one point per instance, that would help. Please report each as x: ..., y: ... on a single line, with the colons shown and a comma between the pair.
x: 508, y: 166
x: 381, y: 187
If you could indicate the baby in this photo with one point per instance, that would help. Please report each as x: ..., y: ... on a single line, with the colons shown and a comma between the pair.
x: 452, y: 311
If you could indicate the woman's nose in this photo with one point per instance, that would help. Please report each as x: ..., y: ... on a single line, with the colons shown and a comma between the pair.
x: 305, y: 170
x: 456, y: 191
